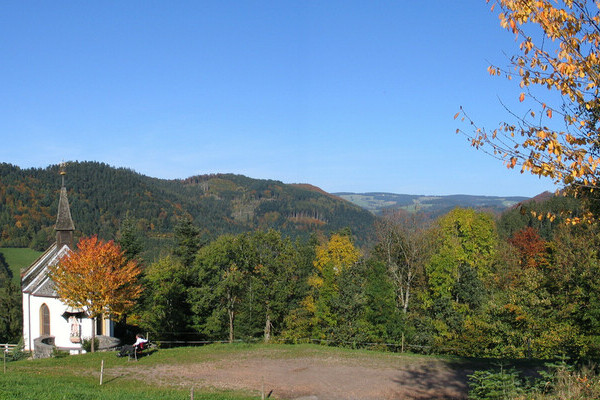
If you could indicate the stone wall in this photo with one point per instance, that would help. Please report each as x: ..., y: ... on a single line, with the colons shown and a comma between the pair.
x: 43, y: 346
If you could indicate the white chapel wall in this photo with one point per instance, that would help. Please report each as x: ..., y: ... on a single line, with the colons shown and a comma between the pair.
x: 60, y: 328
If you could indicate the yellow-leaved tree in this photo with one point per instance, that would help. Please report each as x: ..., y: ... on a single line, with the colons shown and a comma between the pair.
x: 338, y: 253
x: 332, y: 258
x: 559, y: 52
x: 97, y: 278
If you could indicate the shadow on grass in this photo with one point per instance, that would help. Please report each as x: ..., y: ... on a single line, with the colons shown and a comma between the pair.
x: 146, y: 353
x: 452, y: 382
x: 114, y: 378
x: 431, y: 381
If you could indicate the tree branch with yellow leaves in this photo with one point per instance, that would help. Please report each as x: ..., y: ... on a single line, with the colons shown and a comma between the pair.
x: 559, y: 52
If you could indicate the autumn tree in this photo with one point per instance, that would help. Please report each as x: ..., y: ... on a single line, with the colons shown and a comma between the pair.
x: 97, y: 278
x: 333, y: 257
x: 558, y: 137
x: 530, y: 246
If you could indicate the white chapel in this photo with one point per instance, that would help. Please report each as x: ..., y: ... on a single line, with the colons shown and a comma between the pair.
x: 47, y: 322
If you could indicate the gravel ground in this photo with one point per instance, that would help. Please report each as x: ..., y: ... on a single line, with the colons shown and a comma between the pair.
x: 315, y: 377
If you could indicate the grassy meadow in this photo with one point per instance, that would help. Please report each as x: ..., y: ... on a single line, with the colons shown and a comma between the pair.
x: 77, y: 377
x: 18, y: 259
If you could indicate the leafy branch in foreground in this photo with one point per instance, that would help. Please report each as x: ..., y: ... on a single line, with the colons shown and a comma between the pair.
x: 558, y: 138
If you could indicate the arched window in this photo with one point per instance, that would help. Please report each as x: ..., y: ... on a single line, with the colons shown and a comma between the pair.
x: 44, y: 320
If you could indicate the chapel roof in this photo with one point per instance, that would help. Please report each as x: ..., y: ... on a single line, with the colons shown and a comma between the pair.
x: 64, y: 222
x: 33, y: 276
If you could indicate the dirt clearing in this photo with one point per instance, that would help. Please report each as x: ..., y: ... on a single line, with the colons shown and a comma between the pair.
x: 313, y: 375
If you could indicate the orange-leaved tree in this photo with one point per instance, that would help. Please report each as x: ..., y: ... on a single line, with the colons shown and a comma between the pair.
x: 97, y: 278
x: 559, y: 52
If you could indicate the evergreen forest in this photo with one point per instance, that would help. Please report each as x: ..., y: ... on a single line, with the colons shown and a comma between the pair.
x: 102, y: 197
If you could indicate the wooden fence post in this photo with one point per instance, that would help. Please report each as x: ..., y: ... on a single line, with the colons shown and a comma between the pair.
x: 402, y: 342
x: 101, y: 372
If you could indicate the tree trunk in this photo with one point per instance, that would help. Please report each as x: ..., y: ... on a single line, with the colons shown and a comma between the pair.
x: 230, y: 311
x: 94, y: 326
x: 268, y: 327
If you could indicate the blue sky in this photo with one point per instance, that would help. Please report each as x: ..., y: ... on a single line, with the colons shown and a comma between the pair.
x: 348, y: 96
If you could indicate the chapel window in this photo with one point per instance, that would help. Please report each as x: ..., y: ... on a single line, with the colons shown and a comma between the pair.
x: 44, y: 320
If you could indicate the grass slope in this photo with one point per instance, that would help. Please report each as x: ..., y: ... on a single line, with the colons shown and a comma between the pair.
x: 77, y: 377
x: 18, y: 259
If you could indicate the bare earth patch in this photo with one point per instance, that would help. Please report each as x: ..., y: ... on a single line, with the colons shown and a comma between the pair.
x: 314, y: 376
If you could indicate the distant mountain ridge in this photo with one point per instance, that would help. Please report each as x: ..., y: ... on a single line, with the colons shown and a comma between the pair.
x: 379, y: 202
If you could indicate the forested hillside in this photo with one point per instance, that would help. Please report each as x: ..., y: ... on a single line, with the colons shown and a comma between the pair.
x: 467, y: 283
x: 101, y: 197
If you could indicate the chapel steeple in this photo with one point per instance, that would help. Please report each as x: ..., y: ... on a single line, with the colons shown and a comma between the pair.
x: 64, y: 224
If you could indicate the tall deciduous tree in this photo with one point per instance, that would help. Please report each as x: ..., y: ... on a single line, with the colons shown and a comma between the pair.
x: 559, y: 51
x: 404, y: 244
x: 458, y: 268
x: 466, y: 242
x: 332, y: 258
x: 98, y: 278
x: 166, y: 310
x: 220, y: 273
x: 275, y: 263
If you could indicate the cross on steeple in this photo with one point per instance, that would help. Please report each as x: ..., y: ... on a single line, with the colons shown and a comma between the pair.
x: 62, y: 170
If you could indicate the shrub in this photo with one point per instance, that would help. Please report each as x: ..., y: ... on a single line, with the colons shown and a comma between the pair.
x: 558, y: 381
x: 56, y: 353
x: 86, y: 344
x: 498, y: 384
x: 17, y: 353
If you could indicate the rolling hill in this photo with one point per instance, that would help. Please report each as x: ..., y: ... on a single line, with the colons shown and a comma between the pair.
x: 101, y: 197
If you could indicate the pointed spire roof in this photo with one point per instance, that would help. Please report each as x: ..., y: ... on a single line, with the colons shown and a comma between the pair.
x: 63, y: 217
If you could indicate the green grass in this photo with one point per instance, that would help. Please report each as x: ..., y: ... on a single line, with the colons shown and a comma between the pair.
x: 24, y: 386
x: 18, y: 259
x: 77, y: 377
x: 35, y: 387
